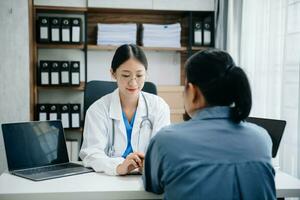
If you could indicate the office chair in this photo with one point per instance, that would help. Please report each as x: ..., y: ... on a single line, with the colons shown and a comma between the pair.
x: 94, y: 90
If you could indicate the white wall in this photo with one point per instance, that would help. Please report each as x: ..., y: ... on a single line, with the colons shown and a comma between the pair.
x: 14, y: 65
x: 163, y: 67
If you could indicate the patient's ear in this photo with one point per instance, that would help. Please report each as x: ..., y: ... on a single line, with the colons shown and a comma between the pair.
x: 198, y: 100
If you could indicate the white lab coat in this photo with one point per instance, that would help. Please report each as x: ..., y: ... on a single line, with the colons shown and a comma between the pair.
x: 98, y: 130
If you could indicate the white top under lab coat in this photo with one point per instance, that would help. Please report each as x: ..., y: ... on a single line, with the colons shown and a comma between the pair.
x: 98, y: 130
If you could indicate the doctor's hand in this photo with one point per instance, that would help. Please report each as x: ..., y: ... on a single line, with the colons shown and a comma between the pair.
x: 132, y: 162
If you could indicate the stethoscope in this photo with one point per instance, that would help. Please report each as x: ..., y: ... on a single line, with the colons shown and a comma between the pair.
x: 145, y: 120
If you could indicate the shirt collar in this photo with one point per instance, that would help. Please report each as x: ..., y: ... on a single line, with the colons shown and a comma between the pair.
x: 213, y: 113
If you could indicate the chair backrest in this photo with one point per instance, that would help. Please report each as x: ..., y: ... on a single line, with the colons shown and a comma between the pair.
x: 94, y: 90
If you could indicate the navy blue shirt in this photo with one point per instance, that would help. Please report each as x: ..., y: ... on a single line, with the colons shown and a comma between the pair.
x: 211, y: 157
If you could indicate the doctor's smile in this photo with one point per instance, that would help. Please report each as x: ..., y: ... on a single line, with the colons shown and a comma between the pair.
x: 132, y: 90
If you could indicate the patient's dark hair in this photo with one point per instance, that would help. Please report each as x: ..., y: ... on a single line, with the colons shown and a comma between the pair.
x: 221, y: 82
x: 125, y: 52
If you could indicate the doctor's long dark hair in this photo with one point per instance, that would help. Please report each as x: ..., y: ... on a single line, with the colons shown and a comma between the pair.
x: 125, y: 52
x: 221, y: 82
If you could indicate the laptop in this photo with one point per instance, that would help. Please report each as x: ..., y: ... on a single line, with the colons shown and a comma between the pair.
x: 37, y: 150
x: 274, y: 127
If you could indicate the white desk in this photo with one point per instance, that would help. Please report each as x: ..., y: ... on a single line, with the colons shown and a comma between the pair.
x: 101, y: 186
x: 286, y: 185
x: 81, y: 187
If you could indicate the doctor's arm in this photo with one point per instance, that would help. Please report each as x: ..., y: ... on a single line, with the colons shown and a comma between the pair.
x: 95, y: 139
x: 162, y: 116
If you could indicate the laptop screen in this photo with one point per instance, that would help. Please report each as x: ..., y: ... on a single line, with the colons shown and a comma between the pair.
x: 274, y: 127
x: 34, y: 144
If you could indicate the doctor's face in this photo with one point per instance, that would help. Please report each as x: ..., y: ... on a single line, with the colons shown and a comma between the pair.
x: 130, y: 77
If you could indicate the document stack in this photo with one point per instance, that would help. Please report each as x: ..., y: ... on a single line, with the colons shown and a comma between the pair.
x: 116, y: 34
x: 155, y: 35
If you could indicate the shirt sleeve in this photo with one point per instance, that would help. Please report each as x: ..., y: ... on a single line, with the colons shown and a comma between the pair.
x: 95, y: 140
x: 153, y: 168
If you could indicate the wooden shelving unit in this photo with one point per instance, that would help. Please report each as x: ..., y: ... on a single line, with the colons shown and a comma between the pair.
x: 42, y: 90
x: 93, y: 16
x: 112, y: 48
x: 57, y: 9
x: 71, y: 87
x: 60, y: 46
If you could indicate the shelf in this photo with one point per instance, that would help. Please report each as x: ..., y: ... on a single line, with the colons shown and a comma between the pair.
x: 60, y: 46
x: 79, y: 88
x: 58, y: 9
x: 194, y: 48
x: 111, y: 47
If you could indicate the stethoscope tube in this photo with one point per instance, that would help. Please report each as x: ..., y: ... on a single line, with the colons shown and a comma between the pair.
x: 111, y: 145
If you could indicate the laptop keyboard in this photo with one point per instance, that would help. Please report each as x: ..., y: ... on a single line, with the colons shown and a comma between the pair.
x: 68, y: 167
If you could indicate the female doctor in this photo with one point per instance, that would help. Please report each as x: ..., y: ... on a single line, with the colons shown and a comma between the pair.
x: 119, y: 126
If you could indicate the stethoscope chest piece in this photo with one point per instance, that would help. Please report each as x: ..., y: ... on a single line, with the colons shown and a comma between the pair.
x: 146, y: 122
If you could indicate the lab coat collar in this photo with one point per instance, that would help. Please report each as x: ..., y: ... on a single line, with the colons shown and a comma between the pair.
x: 116, y: 108
x: 212, y: 113
x: 141, y: 108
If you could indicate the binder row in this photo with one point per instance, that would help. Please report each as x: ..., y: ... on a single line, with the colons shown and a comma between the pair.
x: 59, y: 30
x: 69, y: 114
x: 203, y: 31
x: 55, y: 73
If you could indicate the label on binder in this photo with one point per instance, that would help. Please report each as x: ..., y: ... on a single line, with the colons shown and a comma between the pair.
x: 76, y: 34
x: 65, y: 120
x: 53, y: 116
x: 207, y: 37
x: 75, y: 78
x: 64, y: 77
x: 54, y: 78
x: 66, y: 35
x: 207, y: 34
x: 42, y: 116
x: 55, y: 34
x: 75, y: 120
x: 198, y: 37
x: 44, y: 33
x: 44, y: 78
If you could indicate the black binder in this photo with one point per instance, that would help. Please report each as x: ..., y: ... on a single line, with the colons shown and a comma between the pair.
x: 65, y: 30
x: 65, y: 115
x: 75, y: 73
x: 44, y: 72
x: 54, y: 73
x: 197, y: 32
x: 55, y: 30
x: 42, y: 112
x: 75, y: 115
x: 207, y: 31
x: 53, y: 112
x: 76, y: 30
x: 64, y: 73
x: 43, y: 35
